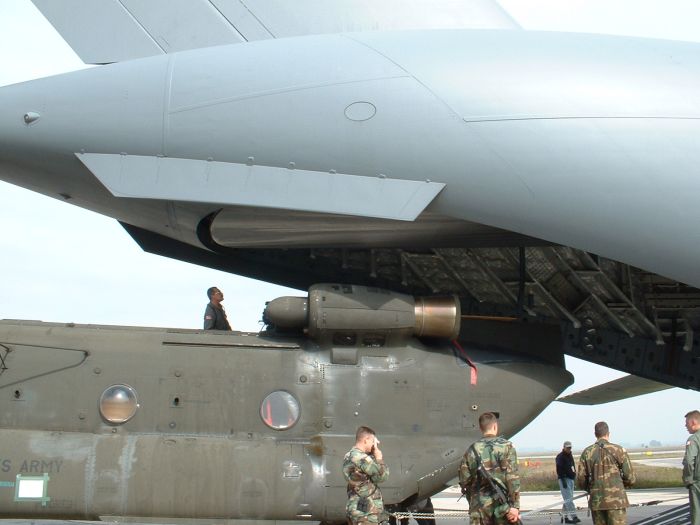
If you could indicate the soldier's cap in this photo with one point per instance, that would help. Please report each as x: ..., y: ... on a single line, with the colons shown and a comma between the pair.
x: 567, y: 444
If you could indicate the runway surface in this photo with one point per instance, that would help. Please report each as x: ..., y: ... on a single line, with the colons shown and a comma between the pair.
x: 666, y: 498
x: 662, y: 462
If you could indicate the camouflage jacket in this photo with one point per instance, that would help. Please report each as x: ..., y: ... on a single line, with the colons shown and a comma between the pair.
x: 691, y: 468
x: 363, y: 473
x: 501, y: 461
x: 604, y: 471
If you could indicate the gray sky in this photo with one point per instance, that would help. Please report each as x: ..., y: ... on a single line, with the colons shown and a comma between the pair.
x: 62, y: 263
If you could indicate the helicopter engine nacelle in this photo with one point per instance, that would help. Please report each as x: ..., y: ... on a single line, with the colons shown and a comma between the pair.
x: 350, y: 315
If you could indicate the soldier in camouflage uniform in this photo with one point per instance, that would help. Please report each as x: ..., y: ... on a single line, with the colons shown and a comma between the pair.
x: 501, y: 461
x: 604, y: 471
x: 691, y: 465
x: 364, y: 469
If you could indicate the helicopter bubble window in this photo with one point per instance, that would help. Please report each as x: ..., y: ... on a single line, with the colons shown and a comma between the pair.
x: 118, y: 404
x: 280, y: 410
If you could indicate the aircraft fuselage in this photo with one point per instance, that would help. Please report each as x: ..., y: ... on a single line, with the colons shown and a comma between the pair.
x: 542, y: 134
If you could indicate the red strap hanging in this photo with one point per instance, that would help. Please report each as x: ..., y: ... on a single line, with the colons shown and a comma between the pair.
x: 472, y: 366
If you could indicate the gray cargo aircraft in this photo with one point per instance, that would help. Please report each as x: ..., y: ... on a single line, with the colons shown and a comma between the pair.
x: 546, y: 180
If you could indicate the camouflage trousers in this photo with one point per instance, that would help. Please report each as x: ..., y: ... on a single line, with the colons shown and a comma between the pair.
x: 609, y: 517
x: 486, y: 515
x: 372, y: 519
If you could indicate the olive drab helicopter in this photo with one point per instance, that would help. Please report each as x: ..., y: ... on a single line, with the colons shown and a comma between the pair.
x: 100, y: 422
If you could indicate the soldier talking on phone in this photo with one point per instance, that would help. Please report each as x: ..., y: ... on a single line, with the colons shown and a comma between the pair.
x: 364, y: 469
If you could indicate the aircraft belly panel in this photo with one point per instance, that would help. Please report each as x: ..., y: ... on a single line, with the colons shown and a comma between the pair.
x: 227, y: 183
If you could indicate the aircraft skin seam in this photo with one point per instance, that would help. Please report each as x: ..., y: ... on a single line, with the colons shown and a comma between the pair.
x: 279, y: 91
x: 476, y: 120
x: 517, y: 24
x: 408, y: 73
x: 167, y: 94
x: 257, y: 19
x: 143, y: 28
x: 90, y: 476
x: 409, y: 202
x: 223, y: 16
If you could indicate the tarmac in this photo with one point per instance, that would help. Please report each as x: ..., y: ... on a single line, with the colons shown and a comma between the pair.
x: 641, y: 501
x: 662, y: 462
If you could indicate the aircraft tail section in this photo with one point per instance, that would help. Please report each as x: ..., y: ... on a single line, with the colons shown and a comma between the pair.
x: 117, y: 30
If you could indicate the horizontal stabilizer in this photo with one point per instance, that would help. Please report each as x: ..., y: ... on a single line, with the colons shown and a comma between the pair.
x: 108, y: 31
x: 225, y: 183
x: 622, y: 388
x: 112, y: 30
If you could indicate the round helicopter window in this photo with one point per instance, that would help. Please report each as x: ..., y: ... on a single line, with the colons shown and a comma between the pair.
x: 118, y: 404
x: 280, y: 410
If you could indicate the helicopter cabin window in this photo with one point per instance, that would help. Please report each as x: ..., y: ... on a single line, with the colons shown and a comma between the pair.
x: 280, y: 410
x: 118, y: 404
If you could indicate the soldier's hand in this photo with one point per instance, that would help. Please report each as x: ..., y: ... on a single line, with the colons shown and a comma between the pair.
x: 376, y: 452
x: 512, y: 515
